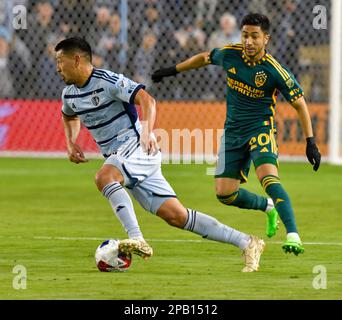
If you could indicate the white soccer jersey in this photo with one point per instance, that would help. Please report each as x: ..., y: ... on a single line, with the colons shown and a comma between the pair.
x: 105, y: 106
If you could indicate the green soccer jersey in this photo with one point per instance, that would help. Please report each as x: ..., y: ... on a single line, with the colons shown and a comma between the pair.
x: 252, y: 89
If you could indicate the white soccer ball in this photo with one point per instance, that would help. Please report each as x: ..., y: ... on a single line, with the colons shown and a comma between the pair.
x: 109, y: 259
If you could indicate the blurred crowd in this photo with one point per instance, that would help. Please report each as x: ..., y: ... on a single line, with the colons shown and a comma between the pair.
x: 135, y: 37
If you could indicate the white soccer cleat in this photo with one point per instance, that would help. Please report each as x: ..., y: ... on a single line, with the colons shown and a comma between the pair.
x: 137, y: 246
x: 252, y: 254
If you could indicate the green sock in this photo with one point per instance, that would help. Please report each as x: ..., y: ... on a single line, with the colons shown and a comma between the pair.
x: 245, y: 200
x: 281, y: 200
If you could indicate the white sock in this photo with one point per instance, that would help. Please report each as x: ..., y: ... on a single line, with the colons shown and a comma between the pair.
x: 270, y: 205
x: 209, y: 228
x: 293, y: 235
x: 123, y: 208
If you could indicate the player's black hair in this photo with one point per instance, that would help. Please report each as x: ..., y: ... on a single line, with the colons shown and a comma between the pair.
x: 257, y: 19
x: 75, y: 44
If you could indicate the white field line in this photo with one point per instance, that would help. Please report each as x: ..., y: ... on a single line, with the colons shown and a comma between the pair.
x: 157, y: 240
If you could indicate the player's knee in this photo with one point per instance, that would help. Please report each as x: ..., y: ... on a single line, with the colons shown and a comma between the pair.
x: 174, y: 221
x: 227, y: 199
x: 222, y: 189
x: 173, y: 218
x: 107, y: 174
x: 227, y: 190
x: 102, y: 179
x: 99, y: 180
x: 173, y: 212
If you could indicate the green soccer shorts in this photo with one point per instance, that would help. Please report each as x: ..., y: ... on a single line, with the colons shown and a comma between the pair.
x: 237, y: 152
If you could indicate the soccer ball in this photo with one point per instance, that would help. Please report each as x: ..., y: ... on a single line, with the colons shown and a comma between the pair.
x: 109, y: 259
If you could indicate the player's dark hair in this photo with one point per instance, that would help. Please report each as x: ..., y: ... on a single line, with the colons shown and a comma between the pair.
x: 75, y: 44
x: 257, y: 19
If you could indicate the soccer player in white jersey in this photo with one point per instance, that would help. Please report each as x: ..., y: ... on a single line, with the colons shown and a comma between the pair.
x: 104, y: 102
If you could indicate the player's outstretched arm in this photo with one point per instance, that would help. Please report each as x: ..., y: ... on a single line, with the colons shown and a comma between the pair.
x: 72, y: 127
x: 195, y: 62
x: 312, y: 151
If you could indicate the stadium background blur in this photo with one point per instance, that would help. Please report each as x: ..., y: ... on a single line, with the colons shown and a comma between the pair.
x: 135, y: 37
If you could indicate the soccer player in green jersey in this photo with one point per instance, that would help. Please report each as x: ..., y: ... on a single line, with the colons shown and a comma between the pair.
x: 254, y: 79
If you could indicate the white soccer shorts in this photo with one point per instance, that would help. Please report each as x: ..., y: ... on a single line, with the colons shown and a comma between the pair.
x: 142, y: 174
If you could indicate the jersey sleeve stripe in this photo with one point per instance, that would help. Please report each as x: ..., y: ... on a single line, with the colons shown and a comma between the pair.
x: 278, y: 67
x: 105, y: 74
x: 103, y: 78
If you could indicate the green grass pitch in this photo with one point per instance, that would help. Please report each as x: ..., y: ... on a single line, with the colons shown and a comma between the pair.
x: 53, y: 218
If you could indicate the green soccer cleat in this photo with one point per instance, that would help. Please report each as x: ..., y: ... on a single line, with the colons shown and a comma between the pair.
x: 293, y: 246
x: 272, y: 223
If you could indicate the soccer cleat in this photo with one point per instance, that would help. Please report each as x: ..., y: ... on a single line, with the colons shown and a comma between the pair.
x: 272, y: 223
x: 137, y: 246
x: 252, y: 254
x: 292, y: 245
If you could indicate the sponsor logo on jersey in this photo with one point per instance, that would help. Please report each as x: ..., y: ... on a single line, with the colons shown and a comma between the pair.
x: 92, y: 119
x: 245, y: 89
x: 294, y: 92
x: 260, y: 78
x: 73, y: 106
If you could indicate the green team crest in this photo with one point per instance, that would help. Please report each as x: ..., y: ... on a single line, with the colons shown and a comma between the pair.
x: 260, y: 78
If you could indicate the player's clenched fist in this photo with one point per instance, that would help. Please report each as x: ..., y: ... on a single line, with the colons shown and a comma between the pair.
x: 149, y: 143
x: 76, y: 154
